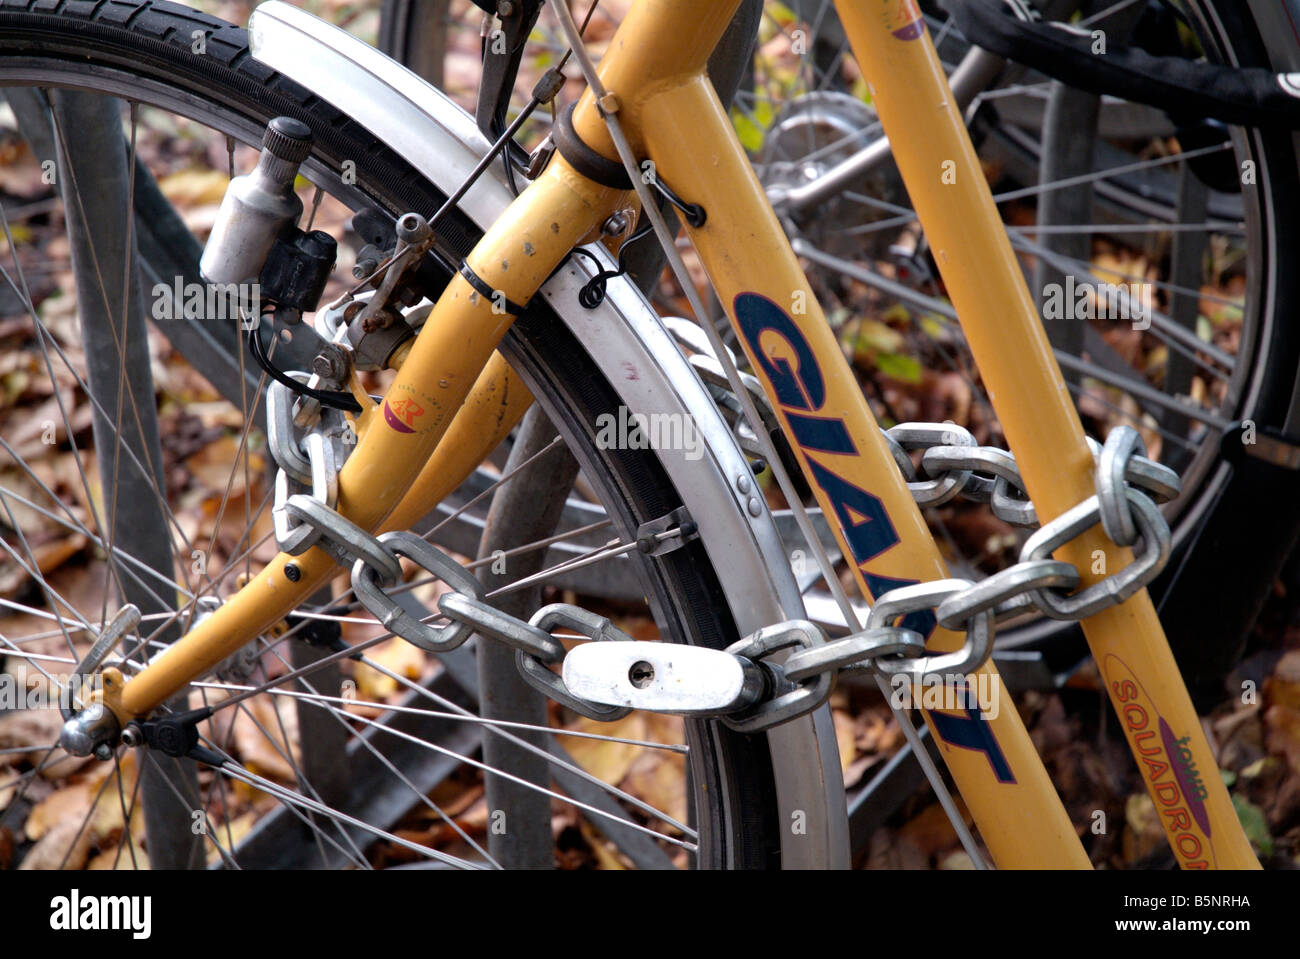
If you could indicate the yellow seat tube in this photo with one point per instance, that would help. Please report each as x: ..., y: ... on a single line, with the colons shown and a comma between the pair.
x: 952, y: 199
x: 672, y: 114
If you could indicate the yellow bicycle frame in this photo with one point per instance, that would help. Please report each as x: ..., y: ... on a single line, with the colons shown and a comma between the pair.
x: 453, y: 400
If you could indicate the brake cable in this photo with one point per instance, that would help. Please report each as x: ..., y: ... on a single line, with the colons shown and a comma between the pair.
x: 338, y: 399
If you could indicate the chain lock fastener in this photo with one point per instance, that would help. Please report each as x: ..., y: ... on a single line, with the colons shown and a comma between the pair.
x: 664, y: 677
x: 791, y: 699
x: 535, y: 672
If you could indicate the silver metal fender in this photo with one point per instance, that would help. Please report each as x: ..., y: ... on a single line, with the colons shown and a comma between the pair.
x: 626, y: 338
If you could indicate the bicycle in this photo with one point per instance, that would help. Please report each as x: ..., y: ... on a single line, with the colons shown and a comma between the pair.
x: 551, y: 358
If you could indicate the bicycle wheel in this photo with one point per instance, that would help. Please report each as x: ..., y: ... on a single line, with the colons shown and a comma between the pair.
x: 728, y: 794
x: 1163, y: 206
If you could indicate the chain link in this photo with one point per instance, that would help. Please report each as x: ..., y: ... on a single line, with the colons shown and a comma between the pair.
x: 858, y: 651
x: 897, y: 603
x: 309, y: 461
x: 536, y: 672
x: 1115, y: 588
x: 367, y: 585
x: 343, y: 539
x: 1007, y: 593
x: 953, y: 465
x: 788, y: 700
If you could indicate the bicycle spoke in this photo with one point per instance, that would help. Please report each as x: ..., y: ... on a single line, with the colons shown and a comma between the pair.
x: 340, y: 717
x: 150, y: 470
x: 524, y: 744
x: 1111, y: 173
x: 323, y: 700
x: 286, y: 754
x: 44, y: 335
x: 480, y: 496
x: 225, y: 854
x: 292, y: 799
x: 1092, y: 229
x: 591, y: 810
x: 1136, y: 386
x: 447, y: 704
x: 76, y: 526
x: 52, y: 598
x: 1117, y: 7
x: 128, y: 810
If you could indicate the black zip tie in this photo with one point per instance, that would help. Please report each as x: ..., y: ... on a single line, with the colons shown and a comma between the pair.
x: 496, y: 297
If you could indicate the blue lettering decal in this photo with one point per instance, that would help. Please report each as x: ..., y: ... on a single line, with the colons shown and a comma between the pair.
x: 799, y: 386
x: 862, y: 516
x: 819, y: 433
x: 802, y: 389
x: 972, y: 732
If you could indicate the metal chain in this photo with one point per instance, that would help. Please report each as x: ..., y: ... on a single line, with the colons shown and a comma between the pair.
x: 309, y: 459
x: 781, y: 671
x: 953, y: 465
x: 787, y: 669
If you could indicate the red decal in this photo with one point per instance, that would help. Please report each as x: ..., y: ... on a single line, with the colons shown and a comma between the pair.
x: 1175, y: 782
x: 402, y: 414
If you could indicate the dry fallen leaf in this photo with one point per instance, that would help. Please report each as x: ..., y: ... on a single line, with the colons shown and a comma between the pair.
x: 1282, y: 725
x: 65, y: 846
x: 71, y: 803
x: 109, y: 816
x: 397, y: 655
x: 606, y: 855
x: 930, y: 832
x: 659, y: 778
x: 1144, y: 834
x: 20, y: 173
x: 124, y: 858
x: 7, y: 792
x: 222, y: 462
x: 191, y: 188
x: 253, y: 733
x: 957, y: 860
x: 1283, y: 687
x: 607, y: 761
x: 229, y: 834
x: 845, y: 737
x: 37, y: 728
